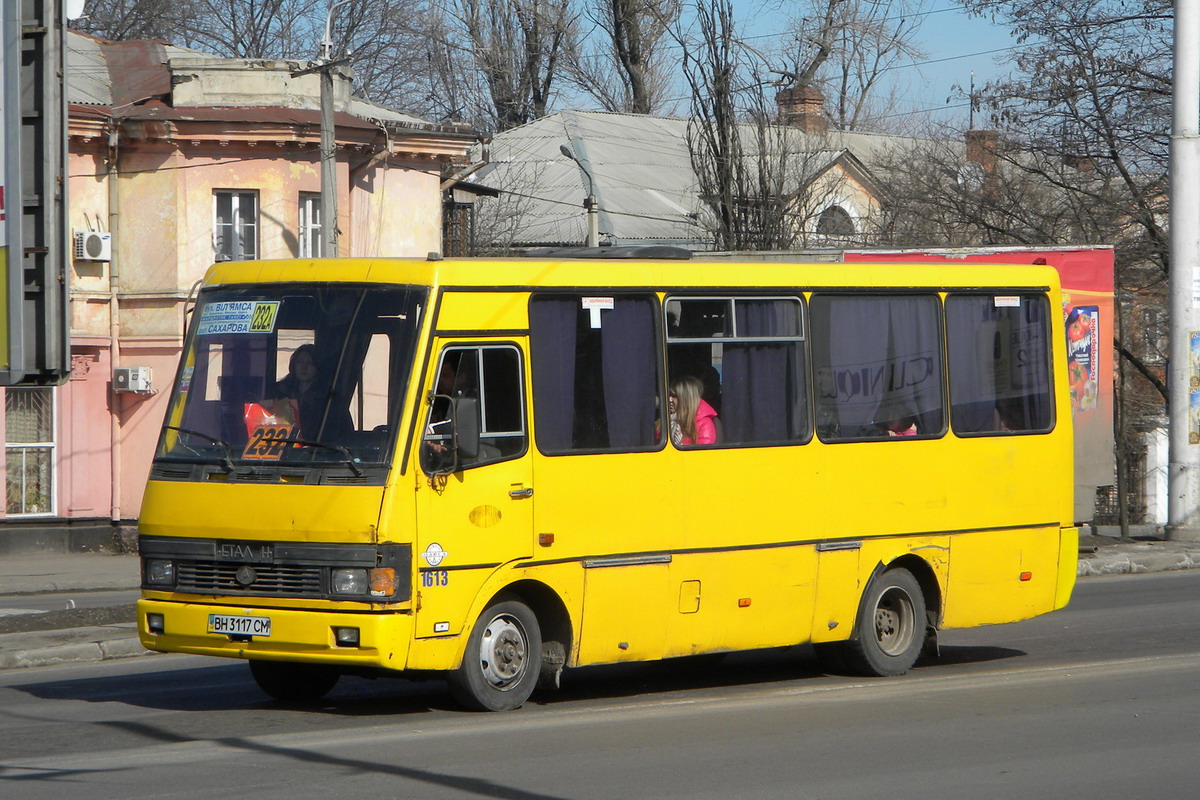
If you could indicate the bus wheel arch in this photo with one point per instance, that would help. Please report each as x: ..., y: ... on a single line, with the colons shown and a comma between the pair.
x: 502, y: 660
x: 518, y: 643
x: 555, y: 623
x: 896, y: 615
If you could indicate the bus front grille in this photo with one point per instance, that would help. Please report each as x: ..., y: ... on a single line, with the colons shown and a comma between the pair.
x: 275, y: 580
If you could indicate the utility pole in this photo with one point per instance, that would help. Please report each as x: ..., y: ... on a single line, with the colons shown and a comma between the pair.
x: 1183, y: 480
x: 325, y: 65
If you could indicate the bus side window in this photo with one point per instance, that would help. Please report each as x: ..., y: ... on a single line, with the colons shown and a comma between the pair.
x: 999, y: 363
x: 748, y: 353
x: 491, y: 375
x: 878, y: 366
x: 595, y: 367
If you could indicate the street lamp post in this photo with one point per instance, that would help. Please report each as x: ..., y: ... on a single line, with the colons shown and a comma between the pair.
x: 1183, y: 502
x: 593, y: 210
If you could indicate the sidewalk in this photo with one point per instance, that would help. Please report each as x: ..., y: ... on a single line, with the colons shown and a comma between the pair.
x: 99, y: 634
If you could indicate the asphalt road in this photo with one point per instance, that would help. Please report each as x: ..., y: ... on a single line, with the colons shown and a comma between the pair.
x: 1099, y: 700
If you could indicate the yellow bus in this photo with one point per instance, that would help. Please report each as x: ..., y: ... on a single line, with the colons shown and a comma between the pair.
x: 490, y: 470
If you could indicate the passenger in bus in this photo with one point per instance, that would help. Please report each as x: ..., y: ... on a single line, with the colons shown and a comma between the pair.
x: 305, y: 385
x: 900, y: 426
x: 693, y: 420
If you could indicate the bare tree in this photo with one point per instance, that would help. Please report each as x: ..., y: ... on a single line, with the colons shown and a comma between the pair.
x: 763, y: 184
x: 120, y: 20
x: 621, y: 65
x: 515, y: 45
x: 1091, y: 89
x: 844, y: 47
x: 256, y: 28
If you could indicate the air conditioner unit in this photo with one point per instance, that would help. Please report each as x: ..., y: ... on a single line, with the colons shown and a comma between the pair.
x: 93, y: 246
x: 132, y: 379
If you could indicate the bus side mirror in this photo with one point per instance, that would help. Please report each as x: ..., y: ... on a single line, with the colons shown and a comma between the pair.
x: 466, y: 428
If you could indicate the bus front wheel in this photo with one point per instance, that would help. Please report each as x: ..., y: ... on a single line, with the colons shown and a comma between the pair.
x: 503, y: 659
x: 890, y: 629
x: 293, y: 682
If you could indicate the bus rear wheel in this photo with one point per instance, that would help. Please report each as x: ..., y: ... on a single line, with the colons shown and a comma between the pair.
x: 503, y: 659
x: 890, y: 629
x: 293, y: 682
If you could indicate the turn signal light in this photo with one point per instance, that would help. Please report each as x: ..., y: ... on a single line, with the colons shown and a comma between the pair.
x: 383, y: 582
x: 744, y: 602
x: 1026, y: 576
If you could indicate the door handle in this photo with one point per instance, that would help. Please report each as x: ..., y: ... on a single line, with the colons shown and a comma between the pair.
x: 521, y: 493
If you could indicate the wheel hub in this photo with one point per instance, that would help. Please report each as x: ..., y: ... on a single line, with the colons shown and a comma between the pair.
x: 502, y: 652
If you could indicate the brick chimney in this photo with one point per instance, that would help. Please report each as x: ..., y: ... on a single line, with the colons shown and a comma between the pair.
x: 981, y: 148
x: 803, y: 109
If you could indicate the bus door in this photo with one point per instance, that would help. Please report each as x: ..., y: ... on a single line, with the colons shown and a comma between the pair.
x: 474, y: 511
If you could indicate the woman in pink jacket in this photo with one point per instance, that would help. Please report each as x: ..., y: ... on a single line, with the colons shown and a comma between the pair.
x: 692, y: 419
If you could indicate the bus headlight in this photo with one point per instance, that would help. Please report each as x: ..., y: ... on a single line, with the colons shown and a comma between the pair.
x: 160, y: 572
x: 350, y: 581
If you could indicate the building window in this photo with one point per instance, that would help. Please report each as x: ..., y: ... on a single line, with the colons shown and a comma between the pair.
x: 835, y: 221
x: 29, y: 451
x: 310, y: 225
x: 235, y: 225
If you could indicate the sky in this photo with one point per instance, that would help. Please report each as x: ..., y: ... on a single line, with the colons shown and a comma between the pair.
x: 955, y: 43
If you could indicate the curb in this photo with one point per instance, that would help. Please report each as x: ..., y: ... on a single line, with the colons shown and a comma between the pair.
x: 1137, y: 562
x: 77, y: 645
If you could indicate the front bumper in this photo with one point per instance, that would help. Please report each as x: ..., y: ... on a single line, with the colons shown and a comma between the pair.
x: 296, y: 635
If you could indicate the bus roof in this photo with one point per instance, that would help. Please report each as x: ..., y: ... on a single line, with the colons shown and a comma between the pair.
x: 549, y: 273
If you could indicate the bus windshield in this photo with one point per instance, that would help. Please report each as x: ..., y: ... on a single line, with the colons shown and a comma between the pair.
x: 293, y: 374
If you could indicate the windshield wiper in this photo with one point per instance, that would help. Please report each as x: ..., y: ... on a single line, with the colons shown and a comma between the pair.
x: 348, y: 458
x: 226, y: 447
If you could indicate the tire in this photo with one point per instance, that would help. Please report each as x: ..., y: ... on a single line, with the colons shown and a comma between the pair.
x: 503, y: 660
x: 292, y: 682
x: 890, y: 629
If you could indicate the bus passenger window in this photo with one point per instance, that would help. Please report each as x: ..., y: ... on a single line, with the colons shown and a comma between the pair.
x: 492, y: 376
x: 878, y: 366
x: 999, y: 363
x: 745, y: 356
x: 595, y: 361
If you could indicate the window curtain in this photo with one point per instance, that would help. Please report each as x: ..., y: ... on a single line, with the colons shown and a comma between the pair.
x: 970, y: 331
x: 913, y: 381
x: 999, y: 365
x: 552, y: 352
x: 849, y: 390
x: 760, y: 382
x: 629, y: 357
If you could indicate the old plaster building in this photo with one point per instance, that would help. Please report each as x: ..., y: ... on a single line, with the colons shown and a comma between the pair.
x: 176, y: 160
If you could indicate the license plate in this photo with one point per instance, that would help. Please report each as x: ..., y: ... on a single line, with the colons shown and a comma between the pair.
x: 239, y: 626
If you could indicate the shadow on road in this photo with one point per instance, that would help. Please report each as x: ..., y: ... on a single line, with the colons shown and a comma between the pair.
x: 229, y: 687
